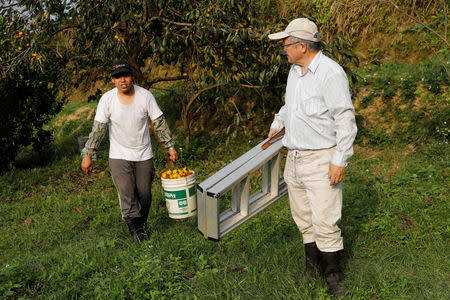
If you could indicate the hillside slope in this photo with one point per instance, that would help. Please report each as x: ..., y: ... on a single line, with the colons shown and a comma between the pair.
x: 379, y: 30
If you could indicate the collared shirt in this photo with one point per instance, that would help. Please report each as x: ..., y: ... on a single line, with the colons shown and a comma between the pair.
x: 318, y: 112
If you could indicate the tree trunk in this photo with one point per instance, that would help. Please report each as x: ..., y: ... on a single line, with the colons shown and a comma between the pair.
x: 186, y: 124
x: 137, y: 74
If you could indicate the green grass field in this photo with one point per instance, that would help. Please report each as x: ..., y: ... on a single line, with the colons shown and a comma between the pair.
x: 62, y: 236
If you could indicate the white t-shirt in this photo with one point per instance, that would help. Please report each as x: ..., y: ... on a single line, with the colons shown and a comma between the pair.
x: 129, y: 133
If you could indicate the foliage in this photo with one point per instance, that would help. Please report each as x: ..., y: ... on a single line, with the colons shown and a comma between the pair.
x: 436, y: 31
x: 406, y: 103
x: 28, y: 83
x: 220, y: 47
x: 215, y: 44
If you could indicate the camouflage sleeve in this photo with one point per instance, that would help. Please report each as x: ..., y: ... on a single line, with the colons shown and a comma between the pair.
x: 95, y: 138
x: 162, y: 130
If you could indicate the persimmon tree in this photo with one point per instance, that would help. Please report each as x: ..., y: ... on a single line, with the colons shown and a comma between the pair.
x: 29, y: 79
x: 220, y: 48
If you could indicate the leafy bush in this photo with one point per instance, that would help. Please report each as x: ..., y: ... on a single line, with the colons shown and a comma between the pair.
x: 29, y: 94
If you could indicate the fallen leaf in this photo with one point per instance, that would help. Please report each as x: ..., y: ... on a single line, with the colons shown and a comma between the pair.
x: 358, y: 216
x: 107, y: 190
x: 387, y: 179
x: 406, y: 221
x: 79, y: 209
x: 237, y: 268
x: 27, y: 221
x: 86, y: 218
x: 189, y: 275
x: 8, y: 199
x: 73, y: 188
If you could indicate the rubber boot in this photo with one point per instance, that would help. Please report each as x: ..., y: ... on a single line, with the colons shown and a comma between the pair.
x: 143, y: 221
x: 141, y: 228
x: 131, y: 223
x: 313, y: 257
x: 332, y: 274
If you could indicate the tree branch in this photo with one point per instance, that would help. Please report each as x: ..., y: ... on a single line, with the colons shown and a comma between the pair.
x: 173, y: 22
x: 249, y: 86
x: 446, y: 13
x: 145, y: 8
x: 8, y: 6
x: 195, y: 96
x: 417, y: 20
x: 65, y: 28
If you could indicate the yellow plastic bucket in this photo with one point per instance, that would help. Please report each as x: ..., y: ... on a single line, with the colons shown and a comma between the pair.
x: 181, y: 196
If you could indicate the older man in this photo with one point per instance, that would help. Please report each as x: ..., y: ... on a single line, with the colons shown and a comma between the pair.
x: 319, y: 119
x: 127, y: 109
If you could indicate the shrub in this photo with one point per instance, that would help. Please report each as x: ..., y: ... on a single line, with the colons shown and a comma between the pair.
x: 30, y: 71
x: 29, y: 101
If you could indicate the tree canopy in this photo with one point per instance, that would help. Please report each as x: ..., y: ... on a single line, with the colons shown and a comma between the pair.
x: 220, y: 48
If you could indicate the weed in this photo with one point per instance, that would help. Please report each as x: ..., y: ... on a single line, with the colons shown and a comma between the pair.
x: 63, y: 237
x: 376, y: 54
x: 408, y: 87
x: 389, y: 92
x: 367, y: 100
x: 435, y: 74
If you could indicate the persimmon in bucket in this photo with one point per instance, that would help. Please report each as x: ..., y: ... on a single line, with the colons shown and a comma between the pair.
x: 176, y: 173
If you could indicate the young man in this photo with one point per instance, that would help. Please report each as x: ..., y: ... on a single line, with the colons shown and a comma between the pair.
x: 126, y: 109
x: 319, y: 119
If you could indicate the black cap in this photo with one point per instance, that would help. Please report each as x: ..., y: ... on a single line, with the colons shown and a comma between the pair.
x: 121, y: 66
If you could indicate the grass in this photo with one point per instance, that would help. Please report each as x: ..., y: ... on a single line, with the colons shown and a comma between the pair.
x: 63, y: 236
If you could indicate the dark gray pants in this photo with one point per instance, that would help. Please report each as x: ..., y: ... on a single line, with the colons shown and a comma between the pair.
x: 133, y: 181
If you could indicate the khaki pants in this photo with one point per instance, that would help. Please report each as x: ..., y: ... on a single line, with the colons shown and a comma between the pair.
x: 315, y: 205
x: 133, y: 181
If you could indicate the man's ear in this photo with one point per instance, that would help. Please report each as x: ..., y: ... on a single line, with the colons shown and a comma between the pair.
x: 305, y: 50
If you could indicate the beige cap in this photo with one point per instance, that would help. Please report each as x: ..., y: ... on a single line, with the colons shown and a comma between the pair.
x: 301, y: 28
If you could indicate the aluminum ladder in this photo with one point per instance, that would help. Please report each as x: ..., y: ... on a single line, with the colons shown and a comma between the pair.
x: 235, y: 177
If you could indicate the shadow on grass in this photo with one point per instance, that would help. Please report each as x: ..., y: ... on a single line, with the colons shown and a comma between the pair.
x: 64, y: 147
x: 28, y: 158
x: 360, y: 200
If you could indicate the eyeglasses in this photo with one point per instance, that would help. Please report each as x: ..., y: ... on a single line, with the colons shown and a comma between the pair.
x: 287, y: 45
